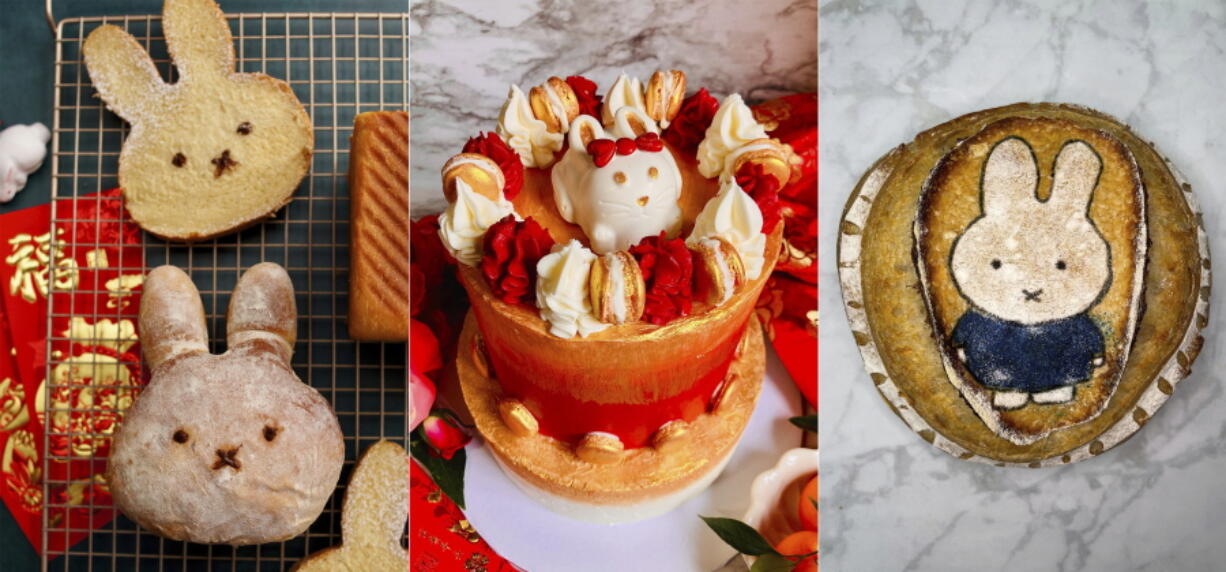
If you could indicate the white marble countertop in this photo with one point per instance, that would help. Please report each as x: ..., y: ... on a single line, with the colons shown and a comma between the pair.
x: 889, y: 500
x: 467, y: 53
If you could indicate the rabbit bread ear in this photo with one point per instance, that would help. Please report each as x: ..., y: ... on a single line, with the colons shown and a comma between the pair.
x: 377, y: 500
x: 122, y: 71
x: 198, y: 39
x: 171, y: 317
x: 1075, y: 176
x: 1010, y: 176
x: 262, y: 311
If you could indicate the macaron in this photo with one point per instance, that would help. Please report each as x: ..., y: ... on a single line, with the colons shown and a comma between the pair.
x: 481, y: 173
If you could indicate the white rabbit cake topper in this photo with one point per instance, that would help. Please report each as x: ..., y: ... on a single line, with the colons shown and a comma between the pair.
x: 1036, y: 297
x: 211, y: 153
x: 231, y: 448
x: 619, y: 186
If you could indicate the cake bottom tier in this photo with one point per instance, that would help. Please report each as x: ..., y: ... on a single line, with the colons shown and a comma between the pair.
x: 643, y: 482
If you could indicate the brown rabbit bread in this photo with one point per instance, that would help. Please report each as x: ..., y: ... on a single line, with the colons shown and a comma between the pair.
x: 373, y: 518
x: 230, y: 448
x: 211, y: 153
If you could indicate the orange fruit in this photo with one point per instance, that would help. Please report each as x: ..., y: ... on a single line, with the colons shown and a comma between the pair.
x: 807, y: 510
x: 799, y: 543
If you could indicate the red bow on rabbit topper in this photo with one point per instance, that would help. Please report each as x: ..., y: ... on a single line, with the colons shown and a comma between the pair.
x: 602, y: 150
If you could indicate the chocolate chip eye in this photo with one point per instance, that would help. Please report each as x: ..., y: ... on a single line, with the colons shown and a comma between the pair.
x: 244, y: 128
x: 619, y: 177
x: 1060, y: 265
x: 180, y: 436
x: 996, y: 263
x: 179, y: 160
x: 653, y: 173
x: 270, y: 433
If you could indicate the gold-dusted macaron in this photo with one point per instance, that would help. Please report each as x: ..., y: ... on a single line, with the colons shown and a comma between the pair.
x: 517, y: 417
x: 617, y: 289
x: 600, y: 448
x: 481, y: 173
x: 670, y: 436
x: 719, y: 272
x: 770, y: 154
x: 665, y: 91
x: 555, y: 103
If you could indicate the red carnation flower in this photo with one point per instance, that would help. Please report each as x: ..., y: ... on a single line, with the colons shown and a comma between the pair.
x: 763, y: 188
x: 585, y: 92
x: 512, y: 249
x: 668, y: 270
x: 492, y: 146
x: 686, y: 131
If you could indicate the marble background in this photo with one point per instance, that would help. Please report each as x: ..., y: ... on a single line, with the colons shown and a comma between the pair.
x: 466, y: 53
x: 891, y: 501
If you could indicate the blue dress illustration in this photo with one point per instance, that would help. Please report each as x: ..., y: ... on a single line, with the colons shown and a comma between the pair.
x: 1031, y: 358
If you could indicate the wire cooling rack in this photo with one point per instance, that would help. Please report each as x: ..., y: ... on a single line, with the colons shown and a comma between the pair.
x: 339, y: 65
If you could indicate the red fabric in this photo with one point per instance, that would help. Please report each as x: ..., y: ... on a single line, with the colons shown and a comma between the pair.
x: 94, y: 358
x: 441, y: 539
x: 788, y: 305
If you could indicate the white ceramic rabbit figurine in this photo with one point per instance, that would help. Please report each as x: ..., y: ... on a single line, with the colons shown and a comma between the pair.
x: 622, y: 188
x: 1031, y: 271
x: 22, y: 150
x: 211, y: 153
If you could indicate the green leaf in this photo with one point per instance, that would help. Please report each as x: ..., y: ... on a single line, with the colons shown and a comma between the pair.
x: 772, y: 563
x: 739, y: 535
x: 448, y: 474
x: 806, y: 422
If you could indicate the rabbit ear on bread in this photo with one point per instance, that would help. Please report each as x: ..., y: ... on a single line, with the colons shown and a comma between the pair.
x: 198, y: 39
x: 1010, y: 176
x: 1075, y: 176
x: 262, y: 310
x: 171, y: 317
x: 122, y: 72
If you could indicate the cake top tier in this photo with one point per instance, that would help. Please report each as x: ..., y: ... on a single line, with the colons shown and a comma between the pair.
x: 637, y: 204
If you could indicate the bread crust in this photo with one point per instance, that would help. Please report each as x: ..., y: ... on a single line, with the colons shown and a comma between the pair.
x: 379, y: 229
x: 891, y: 325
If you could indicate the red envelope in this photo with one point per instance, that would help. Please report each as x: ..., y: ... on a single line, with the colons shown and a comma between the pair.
x: 94, y: 262
x: 440, y: 538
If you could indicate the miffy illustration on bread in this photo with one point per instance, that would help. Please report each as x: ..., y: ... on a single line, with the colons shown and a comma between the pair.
x: 212, y: 152
x: 228, y: 448
x: 1031, y: 271
x: 620, y: 185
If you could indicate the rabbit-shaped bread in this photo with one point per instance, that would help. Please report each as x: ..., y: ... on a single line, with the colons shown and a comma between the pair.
x: 373, y: 518
x: 618, y: 186
x: 1036, y: 296
x: 211, y: 153
x: 230, y: 448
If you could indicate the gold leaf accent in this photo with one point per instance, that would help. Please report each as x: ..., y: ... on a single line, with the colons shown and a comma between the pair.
x: 517, y: 417
x: 670, y: 436
x: 600, y: 448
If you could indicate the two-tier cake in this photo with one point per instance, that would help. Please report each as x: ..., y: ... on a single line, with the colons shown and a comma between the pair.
x: 613, y: 252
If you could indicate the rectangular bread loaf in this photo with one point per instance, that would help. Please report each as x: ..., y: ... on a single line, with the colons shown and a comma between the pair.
x: 379, y: 229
